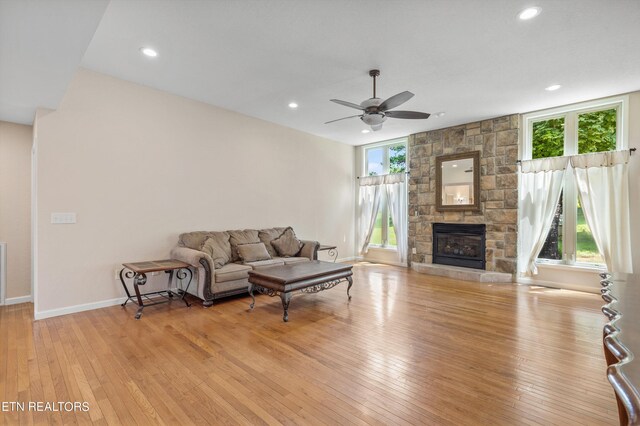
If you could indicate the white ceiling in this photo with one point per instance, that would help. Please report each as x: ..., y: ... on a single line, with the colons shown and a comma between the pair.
x: 41, y: 45
x: 471, y: 59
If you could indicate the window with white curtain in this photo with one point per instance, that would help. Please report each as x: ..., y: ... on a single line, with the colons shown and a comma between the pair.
x: 381, y: 159
x: 589, y: 127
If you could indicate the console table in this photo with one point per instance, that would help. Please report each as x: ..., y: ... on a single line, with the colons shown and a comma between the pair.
x: 621, y: 339
x: 138, y: 272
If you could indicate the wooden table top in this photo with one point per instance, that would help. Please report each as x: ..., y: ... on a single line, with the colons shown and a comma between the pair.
x: 287, y: 274
x: 155, y: 266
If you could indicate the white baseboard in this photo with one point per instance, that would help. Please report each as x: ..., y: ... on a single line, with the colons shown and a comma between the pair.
x: 562, y: 286
x: 346, y: 259
x: 17, y: 300
x: 78, y: 308
x: 383, y: 262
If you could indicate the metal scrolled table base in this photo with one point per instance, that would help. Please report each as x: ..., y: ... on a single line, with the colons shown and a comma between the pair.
x: 141, y: 279
x: 285, y: 297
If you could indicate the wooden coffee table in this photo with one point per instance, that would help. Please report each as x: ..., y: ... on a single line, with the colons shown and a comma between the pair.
x: 307, y: 277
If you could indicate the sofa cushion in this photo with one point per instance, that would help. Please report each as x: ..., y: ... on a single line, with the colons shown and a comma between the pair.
x: 262, y: 263
x: 269, y: 234
x: 292, y: 260
x: 218, y: 247
x: 232, y: 271
x: 193, y: 240
x: 236, y: 237
x: 287, y: 244
x: 253, y: 252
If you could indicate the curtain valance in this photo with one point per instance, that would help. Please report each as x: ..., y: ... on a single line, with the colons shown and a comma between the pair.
x: 544, y: 164
x: 382, y: 180
x: 600, y: 159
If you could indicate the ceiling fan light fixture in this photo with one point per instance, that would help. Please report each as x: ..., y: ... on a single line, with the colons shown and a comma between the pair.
x: 373, y: 119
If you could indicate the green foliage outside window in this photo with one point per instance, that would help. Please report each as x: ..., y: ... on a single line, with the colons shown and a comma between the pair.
x: 397, y: 158
x: 597, y: 131
x: 548, y: 138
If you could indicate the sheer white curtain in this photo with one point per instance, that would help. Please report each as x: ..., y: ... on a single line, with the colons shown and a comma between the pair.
x: 540, y: 187
x: 369, y: 202
x: 396, y: 189
x: 603, y: 183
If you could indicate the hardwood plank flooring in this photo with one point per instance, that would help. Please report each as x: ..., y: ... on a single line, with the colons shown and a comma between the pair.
x: 408, y: 349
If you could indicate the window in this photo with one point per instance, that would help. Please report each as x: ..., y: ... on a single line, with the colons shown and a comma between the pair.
x: 381, y: 160
x: 580, y: 129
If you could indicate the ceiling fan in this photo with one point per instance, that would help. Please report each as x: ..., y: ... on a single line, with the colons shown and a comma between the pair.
x: 375, y: 111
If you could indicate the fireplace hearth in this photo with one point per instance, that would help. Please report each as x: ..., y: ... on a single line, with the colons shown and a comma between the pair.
x: 459, y: 244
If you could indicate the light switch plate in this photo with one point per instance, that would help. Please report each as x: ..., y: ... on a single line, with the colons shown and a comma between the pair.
x: 63, y: 218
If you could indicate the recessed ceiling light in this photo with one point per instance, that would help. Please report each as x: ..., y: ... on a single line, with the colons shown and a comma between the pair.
x: 454, y: 165
x: 552, y: 87
x: 147, y: 51
x: 365, y: 131
x: 529, y: 13
x: 293, y: 105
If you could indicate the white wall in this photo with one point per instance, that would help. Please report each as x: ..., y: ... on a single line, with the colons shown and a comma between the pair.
x: 140, y: 166
x: 15, y: 202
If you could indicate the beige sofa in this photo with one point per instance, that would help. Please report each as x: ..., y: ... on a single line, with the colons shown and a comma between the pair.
x: 211, y: 282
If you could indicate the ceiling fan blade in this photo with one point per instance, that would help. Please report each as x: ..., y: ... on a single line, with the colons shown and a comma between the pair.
x: 407, y: 114
x: 376, y: 127
x: 347, y: 104
x: 344, y: 118
x: 395, y: 100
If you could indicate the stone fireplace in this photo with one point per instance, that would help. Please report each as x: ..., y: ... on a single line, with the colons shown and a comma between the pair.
x: 459, y: 244
x: 497, y: 141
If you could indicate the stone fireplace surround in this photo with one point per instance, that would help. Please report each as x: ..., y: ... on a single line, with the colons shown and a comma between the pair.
x: 497, y: 141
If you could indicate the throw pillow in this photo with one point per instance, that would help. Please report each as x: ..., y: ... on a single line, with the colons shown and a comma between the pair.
x: 218, y: 248
x: 268, y: 235
x: 253, y: 252
x: 287, y: 244
x: 247, y: 236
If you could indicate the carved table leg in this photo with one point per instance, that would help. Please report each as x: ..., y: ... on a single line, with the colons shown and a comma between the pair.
x: 138, y: 280
x: 181, y: 274
x: 286, y: 298
x: 253, y: 298
x: 123, y: 275
x: 349, y: 287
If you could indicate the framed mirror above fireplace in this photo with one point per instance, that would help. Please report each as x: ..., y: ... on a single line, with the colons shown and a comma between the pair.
x: 458, y: 182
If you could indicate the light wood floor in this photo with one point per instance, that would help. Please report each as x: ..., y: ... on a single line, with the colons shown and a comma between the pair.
x: 407, y: 349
